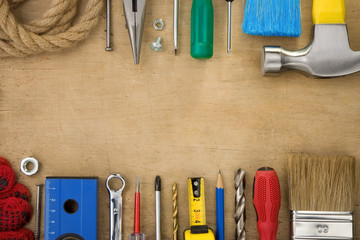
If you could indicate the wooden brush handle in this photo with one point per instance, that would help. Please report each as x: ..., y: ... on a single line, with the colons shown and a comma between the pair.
x: 329, y: 11
x: 267, y: 201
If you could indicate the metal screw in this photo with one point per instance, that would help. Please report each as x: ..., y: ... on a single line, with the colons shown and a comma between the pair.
x: 156, y: 46
x: 38, y: 212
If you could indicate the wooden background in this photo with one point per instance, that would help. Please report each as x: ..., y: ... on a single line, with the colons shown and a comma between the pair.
x: 88, y: 112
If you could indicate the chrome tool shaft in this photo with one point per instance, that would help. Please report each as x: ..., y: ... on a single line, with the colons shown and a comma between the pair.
x: 157, y: 208
x: 176, y: 24
x: 108, y: 26
x: 229, y: 28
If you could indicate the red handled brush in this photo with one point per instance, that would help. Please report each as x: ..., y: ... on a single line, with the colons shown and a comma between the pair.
x: 266, y: 199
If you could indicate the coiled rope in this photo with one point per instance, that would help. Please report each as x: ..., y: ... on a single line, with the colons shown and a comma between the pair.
x: 53, y: 31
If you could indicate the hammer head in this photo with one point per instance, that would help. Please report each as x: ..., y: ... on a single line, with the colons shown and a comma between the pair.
x: 329, y: 54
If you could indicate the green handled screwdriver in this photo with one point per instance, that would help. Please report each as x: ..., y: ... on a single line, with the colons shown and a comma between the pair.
x: 202, y: 29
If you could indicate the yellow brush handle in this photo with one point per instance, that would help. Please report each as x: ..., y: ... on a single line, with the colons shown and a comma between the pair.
x: 328, y: 11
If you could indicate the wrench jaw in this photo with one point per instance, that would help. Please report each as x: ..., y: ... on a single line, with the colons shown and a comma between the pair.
x: 115, y: 208
x: 329, y: 55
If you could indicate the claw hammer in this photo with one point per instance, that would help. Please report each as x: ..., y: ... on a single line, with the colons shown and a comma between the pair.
x: 329, y: 54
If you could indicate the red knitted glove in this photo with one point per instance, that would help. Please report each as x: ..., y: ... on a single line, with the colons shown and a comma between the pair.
x: 7, y: 176
x: 14, y: 213
x: 18, y: 191
x: 22, y: 234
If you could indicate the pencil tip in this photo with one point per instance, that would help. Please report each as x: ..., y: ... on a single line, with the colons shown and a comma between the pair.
x: 220, y: 183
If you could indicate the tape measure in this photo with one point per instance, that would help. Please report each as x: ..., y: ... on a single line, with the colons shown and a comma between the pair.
x: 198, y: 229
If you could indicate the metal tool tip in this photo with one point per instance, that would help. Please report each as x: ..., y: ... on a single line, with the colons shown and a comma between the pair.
x: 229, y: 51
x: 175, y: 51
x: 137, y: 183
x: 157, y: 183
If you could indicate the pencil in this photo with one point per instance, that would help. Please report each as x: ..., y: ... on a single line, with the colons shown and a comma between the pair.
x: 220, y: 224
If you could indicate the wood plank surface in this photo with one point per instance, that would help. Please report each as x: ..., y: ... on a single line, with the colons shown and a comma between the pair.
x: 87, y: 112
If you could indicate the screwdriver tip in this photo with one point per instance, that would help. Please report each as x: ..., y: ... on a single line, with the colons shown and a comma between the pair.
x: 137, y: 183
x: 229, y: 50
x: 157, y: 183
x: 175, y: 51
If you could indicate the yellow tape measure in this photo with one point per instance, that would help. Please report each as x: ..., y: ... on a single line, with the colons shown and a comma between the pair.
x: 198, y: 228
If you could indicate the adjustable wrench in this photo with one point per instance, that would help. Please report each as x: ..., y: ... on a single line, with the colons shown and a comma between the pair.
x: 115, y: 208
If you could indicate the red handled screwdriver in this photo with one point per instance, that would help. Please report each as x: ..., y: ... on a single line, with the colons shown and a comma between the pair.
x: 137, y: 235
x: 266, y: 199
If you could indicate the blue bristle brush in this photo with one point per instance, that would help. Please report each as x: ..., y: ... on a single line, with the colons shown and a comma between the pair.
x: 272, y: 18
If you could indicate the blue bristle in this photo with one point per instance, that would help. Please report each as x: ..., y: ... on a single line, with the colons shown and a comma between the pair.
x: 272, y: 18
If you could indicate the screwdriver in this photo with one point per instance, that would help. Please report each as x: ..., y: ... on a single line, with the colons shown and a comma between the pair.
x: 136, y: 235
x: 202, y: 29
x: 266, y: 199
x: 229, y: 26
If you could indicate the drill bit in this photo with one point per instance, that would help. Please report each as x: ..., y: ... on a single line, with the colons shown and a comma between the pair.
x: 38, y: 212
x: 239, y: 216
x: 175, y: 212
x: 229, y: 27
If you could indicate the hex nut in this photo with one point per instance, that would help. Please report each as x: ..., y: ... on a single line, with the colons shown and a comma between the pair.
x: 158, y: 24
x: 25, y: 162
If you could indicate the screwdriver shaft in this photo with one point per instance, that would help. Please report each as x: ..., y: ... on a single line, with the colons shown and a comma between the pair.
x: 108, y: 26
x: 229, y: 28
x: 176, y: 24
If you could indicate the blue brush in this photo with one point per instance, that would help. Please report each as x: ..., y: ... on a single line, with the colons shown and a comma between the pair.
x: 272, y: 18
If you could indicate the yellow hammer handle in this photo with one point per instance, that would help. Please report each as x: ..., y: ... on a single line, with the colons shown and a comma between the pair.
x: 328, y: 11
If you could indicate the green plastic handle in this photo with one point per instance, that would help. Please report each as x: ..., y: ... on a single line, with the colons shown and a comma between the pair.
x: 202, y: 29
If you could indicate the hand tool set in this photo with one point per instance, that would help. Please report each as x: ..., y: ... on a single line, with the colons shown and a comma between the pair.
x: 321, y: 190
x: 328, y: 55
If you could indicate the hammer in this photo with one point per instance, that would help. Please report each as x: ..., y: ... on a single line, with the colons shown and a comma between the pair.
x: 329, y: 54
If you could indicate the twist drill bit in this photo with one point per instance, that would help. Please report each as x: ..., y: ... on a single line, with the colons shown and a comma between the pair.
x: 239, y: 215
x: 175, y: 211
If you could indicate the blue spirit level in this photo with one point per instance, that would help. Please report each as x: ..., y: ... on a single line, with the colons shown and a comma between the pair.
x: 70, y: 208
